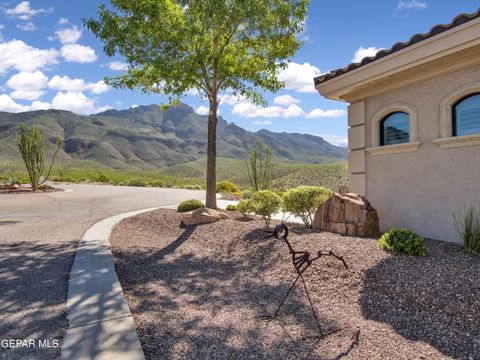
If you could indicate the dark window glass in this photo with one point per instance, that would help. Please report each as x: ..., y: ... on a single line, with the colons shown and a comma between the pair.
x: 394, y: 129
x: 466, y: 116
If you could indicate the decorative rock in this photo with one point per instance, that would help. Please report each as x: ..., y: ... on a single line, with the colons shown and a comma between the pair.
x: 347, y: 214
x: 203, y: 216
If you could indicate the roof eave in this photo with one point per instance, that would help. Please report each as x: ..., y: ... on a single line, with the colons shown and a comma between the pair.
x: 432, y: 49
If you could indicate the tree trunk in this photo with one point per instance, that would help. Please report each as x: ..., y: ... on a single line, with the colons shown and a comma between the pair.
x: 211, y: 201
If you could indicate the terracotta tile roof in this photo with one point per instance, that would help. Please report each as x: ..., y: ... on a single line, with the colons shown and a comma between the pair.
x: 437, y: 29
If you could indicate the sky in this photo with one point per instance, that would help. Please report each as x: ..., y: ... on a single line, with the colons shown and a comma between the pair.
x: 49, y: 60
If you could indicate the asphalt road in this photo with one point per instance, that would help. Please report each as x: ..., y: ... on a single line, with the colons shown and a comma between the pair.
x: 38, y: 237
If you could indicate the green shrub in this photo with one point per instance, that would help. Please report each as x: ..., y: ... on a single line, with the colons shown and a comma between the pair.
x: 156, y: 183
x: 266, y: 203
x: 403, y: 241
x: 189, y: 205
x: 246, y: 194
x: 245, y: 207
x: 136, y: 182
x: 467, y: 224
x: 25, y: 181
x: 226, y: 186
x: 103, y: 179
x: 231, y: 207
x: 303, y: 201
x: 192, y: 187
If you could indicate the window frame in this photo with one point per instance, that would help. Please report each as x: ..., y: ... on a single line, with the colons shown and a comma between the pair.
x: 454, y: 113
x: 382, y: 128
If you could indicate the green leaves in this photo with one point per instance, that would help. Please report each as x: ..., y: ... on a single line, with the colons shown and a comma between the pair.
x: 209, y: 45
x: 403, y: 241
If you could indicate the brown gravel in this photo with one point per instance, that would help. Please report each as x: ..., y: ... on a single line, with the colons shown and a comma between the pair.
x: 196, y: 293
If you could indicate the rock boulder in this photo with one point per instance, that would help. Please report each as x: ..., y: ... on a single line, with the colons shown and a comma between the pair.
x: 203, y: 216
x: 347, y: 214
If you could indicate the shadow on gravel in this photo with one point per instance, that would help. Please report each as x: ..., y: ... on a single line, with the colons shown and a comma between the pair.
x: 433, y: 299
x: 190, y: 305
x: 33, y: 291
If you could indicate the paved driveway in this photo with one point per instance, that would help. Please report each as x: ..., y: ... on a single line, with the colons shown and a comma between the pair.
x: 38, y: 237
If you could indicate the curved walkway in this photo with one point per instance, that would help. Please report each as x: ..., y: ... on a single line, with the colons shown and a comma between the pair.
x: 39, y: 234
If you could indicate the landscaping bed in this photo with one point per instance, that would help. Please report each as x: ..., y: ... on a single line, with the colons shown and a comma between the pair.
x: 197, y: 293
x: 28, y: 190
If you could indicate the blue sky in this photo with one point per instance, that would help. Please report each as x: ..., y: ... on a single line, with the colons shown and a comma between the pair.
x: 48, y: 60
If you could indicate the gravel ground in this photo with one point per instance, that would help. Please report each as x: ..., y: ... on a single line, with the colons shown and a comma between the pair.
x: 197, y: 293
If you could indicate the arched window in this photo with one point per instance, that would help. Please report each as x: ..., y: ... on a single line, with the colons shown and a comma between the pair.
x: 466, y: 116
x: 394, y: 129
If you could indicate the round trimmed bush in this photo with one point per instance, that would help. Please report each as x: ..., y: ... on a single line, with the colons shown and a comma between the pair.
x: 231, y: 207
x: 403, y: 241
x: 266, y: 203
x: 303, y: 201
x: 189, y: 205
x: 245, y: 207
x: 226, y: 186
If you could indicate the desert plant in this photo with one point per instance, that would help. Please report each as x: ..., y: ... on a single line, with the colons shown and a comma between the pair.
x: 467, y: 224
x: 189, y: 205
x: 303, y: 201
x: 246, y: 194
x: 245, y: 207
x: 31, y: 144
x: 266, y: 203
x: 403, y: 241
x: 25, y: 180
x: 192, y: 187
x: 12, y: 180
x: 226, y: 186
x: 102, y: 178
x: 260, y: 167
x: 231, y: 207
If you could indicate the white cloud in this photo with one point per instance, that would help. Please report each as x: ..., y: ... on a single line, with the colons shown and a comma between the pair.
x: 62, y: 21
x: 18, y: 55
x: 230, y: 99
x: 40, y: 105
x: 299, y: 77
x: 28, y: 81
x: 98, y: 88
x: 68, y: 35
x: 27, y: 86
x: 78, y: 53
x: 250, y: 110
x: 23, y: 11
x: 27, y: 27
x: 76, y: 102
x: 319, y: 113
x: 202, y: 110
x: 64, y: 83
x: 285, y: 100
x: 264, y: 122
x: 364, y: 52
x: 27, y: 94
x: 117, y: 66
x: 335, y: 139
x: 7, y: 104
x: 2, y: 26
x: 412, y: 4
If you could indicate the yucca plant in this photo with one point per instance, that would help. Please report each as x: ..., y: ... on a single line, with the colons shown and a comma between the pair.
x: 31, y: 143
x: 467, y: 224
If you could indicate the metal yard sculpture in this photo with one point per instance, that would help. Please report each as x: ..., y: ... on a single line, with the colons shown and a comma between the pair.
x: 301, y: 262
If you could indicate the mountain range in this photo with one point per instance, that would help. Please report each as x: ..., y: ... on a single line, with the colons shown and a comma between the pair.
x: 145, y: 137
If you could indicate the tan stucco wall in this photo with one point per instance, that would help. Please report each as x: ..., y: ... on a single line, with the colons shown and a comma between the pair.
x: 420, y: 190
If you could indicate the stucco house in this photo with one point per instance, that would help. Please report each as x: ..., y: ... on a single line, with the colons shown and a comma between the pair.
x: 414, y: 127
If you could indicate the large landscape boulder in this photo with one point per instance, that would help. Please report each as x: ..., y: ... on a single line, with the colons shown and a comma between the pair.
x: 203, y: 216
x: 347, y: 214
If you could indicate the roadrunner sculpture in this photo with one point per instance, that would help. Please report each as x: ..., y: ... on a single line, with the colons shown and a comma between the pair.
x: 301, y: 262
